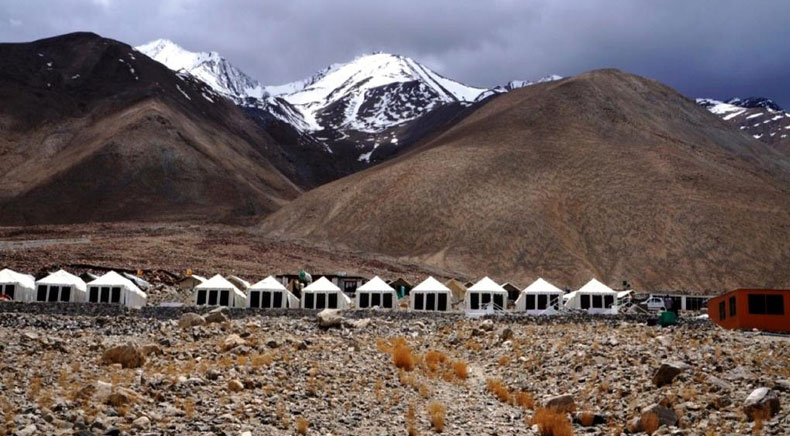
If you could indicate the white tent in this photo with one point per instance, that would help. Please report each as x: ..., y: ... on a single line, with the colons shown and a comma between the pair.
x: 323, y: 294
x: 217, y: 291
x: 430, y: 295
x: 486, y: 291
x: 376, y: 292
x: 269, y: 293
x: 61, y: 286
x: 594, y: 297
x: 17, y: 286
x: 541, y: 297
x: 116, y: 289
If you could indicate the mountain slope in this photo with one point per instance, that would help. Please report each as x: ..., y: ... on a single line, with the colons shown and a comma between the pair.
x: 760, y: 117
x: 95, y: 131
x: 604, y: 175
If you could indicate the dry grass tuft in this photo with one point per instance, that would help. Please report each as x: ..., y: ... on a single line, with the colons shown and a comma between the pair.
x: 525, y: 400
x: 586, y: 419
x: 649, y: 422
x: 402, y: 355
x: 552, y: 423
x: 434, y: 360
x: 411, y: 421
x: 496, y: 387
x: 503, y: 360
x: 436, y: 413
x: 460, y: 369
x: 282, y: 415
x: 301, y: 425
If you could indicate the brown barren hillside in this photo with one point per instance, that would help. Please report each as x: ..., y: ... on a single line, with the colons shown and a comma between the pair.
x: 96, y: 131
x: 605, y: 174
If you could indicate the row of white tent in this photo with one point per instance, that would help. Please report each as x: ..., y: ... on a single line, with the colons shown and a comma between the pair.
x: 485, y: 296
x: 62, y: 286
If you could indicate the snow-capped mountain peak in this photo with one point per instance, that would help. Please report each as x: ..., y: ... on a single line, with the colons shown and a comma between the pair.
x: 760, y: 117
x: 209, y: 67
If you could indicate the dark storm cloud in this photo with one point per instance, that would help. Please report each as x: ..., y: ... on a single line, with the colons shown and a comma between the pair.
x: 703, y: 48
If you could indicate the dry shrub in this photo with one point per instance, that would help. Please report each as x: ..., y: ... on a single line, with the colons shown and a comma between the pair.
x: 525, y: 400
x: 35, y: 386
x: 301, y: 425
x: 377, y: 390
x: 503, y: 360
x: 282, y: 415
x: 402, y: 355
x: 9, y: 411
x: 424, y: 391
x: 460, y: 369
x: 436, y: 412
x: 189, y: 407
x: 496, y: 387
x: 411, y: 421
x: 586, y: 419
x: 552, y: 423
x: 434, y: 360
x: 649, y: 422
x: 473, y: 345
x: 259, y: 360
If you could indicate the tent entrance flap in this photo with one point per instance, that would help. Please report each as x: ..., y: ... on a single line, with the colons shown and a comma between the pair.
x: 430, y: 301
x: 278, y: 299
x: 418, y: 301
x: 201, y: 297
x: 9, y: 291
x: 255, y: 299
x: 388, y: 301
x: 333, y: 301
x: 442, y: 304
x: 267, y: 299
x: 363, y: 300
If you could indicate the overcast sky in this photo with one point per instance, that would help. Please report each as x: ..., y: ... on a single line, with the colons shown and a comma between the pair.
x: 710, y: 48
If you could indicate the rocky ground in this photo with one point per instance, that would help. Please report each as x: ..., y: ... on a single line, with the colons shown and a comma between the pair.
x: 398, y: 374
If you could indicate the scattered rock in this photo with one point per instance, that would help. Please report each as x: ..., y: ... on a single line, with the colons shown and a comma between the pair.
x: 141, y: 423
x: 762, y: 403
x: 218, y: 315
x: 30, y: 430
x: 667, y: 372
x: 561, y: 403
x: 329, y: 318
x: 150, y: 349
x: 235, y: 385
x: 487, y: 325
x: 358, y: 323
x: 189, y: 320
x: 128, y: 356
x: 656, y: 415
x: 506, y: 334
x: 233, y: 341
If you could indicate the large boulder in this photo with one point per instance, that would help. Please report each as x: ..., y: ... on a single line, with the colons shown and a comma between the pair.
x: 762, y: 403
x: 561, y: 403
x: 329, y: 318
x: 128, y: 355
x: 667, y: 372
x: 218, y: 315
x: 653, y: 417
x: 189, y: 320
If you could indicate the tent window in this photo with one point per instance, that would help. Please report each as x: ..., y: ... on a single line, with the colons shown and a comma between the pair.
x: 53, y: 293
x: 267, y: 299
x: 375, y: 300
x: 65, y: 293
x: 212, y: 298
x: 442, y: 304
x: 308, y: 300
x: 116, y: 295
x: 363, y: 299
x: 94, y: 295
x: 255, y: 299
x: 201, y: 297
x: 585, y: 301
x: 418, y: 301
x: 430, y: 301
x: 387, y: 301
x: 474, y: 300
x: 542, y: 301
x: 499, y: 301
x: 723, y: 309
x: 733, y: 310
x: 597, y: 302
x: 224, y: 298
x: 320, y: 301
x: 333, y: 300
x: 530, y: 302
x: 277, y: 298
x: 486, y: 299
x: 41, y: 294
x: 9, y: 291
x: 105, y: 295
x: 608, y: 301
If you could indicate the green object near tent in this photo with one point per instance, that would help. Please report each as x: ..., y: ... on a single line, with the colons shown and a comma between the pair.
x: 667, y: 318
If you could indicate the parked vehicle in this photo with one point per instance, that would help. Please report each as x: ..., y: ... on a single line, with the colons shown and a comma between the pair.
x: 655, y: 304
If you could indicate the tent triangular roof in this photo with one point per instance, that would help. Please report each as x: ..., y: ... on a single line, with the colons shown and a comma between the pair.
x: 112, y: 278
x: 321, y: 285
x: 62, y: 277
x: 623, y: 294
x: 376, y: 284
x: 430, y: 284
x: 487, y: 285
x: 11, y: 276
x: 269, y: 284
x: 596, y: 287
x: 541, y: 286
x: 216, y: 282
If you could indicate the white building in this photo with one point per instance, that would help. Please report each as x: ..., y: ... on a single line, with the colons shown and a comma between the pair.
x: 114, y: 288
x: 17, y: 286
x: 430, y: 295
x: 594, y: 297
x: 376, y: 293
x: 61, y: 286
x: 539, y: 298
x: 323, y: 294
x: 481, y: 295
x: 271, y: 294
x: 217, y: 291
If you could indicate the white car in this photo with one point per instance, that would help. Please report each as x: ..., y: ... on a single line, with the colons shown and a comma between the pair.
x: 655, y: 303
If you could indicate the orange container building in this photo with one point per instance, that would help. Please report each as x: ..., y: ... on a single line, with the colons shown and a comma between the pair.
x: 762, y: 309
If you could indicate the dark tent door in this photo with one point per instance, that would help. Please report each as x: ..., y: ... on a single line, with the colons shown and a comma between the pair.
x: 255, y: 299
x: 201, y: 297
x: 277, y: 299
x: 333, y: 301
x: 388, y: 301
x: 442, y: 303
